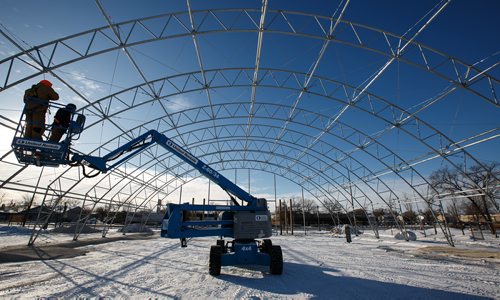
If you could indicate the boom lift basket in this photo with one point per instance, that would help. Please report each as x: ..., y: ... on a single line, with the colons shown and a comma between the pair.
x: 43, y: 152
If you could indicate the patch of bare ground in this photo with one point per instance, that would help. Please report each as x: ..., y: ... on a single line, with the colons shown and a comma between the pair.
x: 481, y: 253
x: 59, y: 250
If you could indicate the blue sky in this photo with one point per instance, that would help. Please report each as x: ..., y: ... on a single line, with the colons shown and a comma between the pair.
x: 466, y: 30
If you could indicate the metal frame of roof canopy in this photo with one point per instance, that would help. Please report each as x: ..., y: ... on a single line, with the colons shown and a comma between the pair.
x: 324, y: 168
x: 43, y: 58
x: 438, y: 143
x: 388, y: 112
x: 348, y: 176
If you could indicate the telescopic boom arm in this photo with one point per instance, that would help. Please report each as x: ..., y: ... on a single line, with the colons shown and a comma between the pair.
x: 141, y: 143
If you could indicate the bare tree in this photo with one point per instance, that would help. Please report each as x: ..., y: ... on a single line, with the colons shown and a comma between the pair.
x: 26, y: 201
x: 332, y: 206
x: 13, y: 206
x: 409, y: 215
x: 102, y: 212
x: 308, y: 205
x: 478, y: 185
x: 455, y: 211
x: 69, y: 202
x: 407, y: 202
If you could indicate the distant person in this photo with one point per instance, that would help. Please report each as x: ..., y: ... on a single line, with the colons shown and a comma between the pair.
x: 347, y: 230
x: 36, y: 101
x: 61, y: 122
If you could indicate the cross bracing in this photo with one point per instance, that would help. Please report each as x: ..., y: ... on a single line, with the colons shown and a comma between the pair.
x: 333, y: 158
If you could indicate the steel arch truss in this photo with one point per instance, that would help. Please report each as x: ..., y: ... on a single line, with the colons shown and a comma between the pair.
x: 342, y: 177
x: 45, y: 58
x: 253, y: 134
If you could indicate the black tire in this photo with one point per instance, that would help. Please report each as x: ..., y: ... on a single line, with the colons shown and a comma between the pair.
x: 276, y: 265
x: 266, y: 246
x: 220, y: 243
x: 214, y: 263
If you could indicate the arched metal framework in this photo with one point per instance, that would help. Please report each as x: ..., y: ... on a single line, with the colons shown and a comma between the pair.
x: 334, y: 161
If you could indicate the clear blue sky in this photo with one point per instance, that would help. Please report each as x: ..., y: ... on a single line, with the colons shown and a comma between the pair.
x: 467, y: 30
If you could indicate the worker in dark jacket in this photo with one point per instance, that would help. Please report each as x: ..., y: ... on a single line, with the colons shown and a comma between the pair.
x: 61, y: 122
x: 36, y: 101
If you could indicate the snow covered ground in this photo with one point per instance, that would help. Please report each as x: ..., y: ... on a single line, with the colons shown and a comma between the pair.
x: 319, y: 265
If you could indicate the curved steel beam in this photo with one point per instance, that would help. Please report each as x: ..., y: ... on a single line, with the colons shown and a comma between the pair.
x: 462, y: 75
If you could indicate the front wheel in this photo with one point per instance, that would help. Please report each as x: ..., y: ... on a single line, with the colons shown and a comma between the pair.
x: 266, y: 246
x: 276, y: 265
x: 214, y: 263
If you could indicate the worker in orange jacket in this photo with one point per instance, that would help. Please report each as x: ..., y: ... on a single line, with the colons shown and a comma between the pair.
x: 36, y: 101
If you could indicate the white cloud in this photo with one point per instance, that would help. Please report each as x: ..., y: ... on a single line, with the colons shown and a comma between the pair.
x: 178, y: 103
x: 87, y: 85
x: 77, y: 99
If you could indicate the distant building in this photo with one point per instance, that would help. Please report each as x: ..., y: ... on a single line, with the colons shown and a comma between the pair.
x: 474, y: 219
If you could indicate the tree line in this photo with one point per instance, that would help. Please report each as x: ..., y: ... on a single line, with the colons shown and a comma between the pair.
x: 473, y: 191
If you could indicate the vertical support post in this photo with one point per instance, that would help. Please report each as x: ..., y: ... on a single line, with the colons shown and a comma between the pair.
x: 317, y: 213
x: 208, y: 196
x: 291, y: 216
x: 276, y: 201
x: 124, y: 230
x: 236, y: 182
x: 286, y: 217
x: 354, y: 217
x: 203, y: 212
x: 304, y: 212
x: 249, y: 181
x: 158, y: 206
x: 281, y: 220
x: 180, y: 195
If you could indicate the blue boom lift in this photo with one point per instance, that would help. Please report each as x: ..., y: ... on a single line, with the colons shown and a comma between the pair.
x: 244, y: 224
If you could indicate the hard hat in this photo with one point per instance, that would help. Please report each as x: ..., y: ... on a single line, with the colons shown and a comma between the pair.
x: 46, y: 83
x: 71, y: 106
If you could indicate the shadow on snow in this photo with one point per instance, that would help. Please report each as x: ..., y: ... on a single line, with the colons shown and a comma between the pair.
x: 326, y: 283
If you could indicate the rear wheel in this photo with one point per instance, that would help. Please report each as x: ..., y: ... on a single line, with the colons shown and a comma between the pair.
x: 220, y: 243
x: 276, y: 265
x: 214, y: 263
